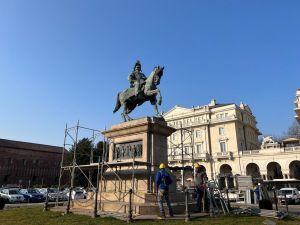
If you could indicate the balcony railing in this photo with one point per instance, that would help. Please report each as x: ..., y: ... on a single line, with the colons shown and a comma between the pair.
x: 174, y: 157
x: 205, y: 121
x: 227, y: 118
x: 271, y: 151
x: 202, y: 156
x: 250, y: 152
x: 223, y: 155
x: 178, y: 157
x: 292, y: 149
x: 187, y: 125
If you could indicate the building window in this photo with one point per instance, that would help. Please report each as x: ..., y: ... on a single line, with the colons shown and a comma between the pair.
x: 186, y: 150
x: 35, y: 162
x: 24, y: 162
x: 199, y: 148
x: 223, y: 146
x: 198, y: 133
x: 10, y: 161
x: 174, y: 137
x: 174, y: 151
x: 221, y: 131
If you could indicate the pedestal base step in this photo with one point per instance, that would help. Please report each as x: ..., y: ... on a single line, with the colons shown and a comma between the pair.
x: 123, y: 207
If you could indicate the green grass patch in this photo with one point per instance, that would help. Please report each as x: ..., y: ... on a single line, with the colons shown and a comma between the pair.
x: 36, y: 216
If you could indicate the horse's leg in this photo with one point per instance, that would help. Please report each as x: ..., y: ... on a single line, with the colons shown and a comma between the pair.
x: 159, y: 96
x: 124, y: 118
x: 128, y: 117
x: 156, y: 109
x: 125, y: 113
x: 154, y: 103
x: 153, y: 93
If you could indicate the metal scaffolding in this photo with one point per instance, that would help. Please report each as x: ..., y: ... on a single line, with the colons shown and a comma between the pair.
x: 71, y: 137
x: 72, y: 134
x: 185, y: 134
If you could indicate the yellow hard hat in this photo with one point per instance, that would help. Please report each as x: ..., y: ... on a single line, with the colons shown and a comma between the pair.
x: 197, y: 165
x: 162, y: 166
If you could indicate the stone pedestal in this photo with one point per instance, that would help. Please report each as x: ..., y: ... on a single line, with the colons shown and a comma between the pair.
x: 136, y: 149
x: 149, y: 134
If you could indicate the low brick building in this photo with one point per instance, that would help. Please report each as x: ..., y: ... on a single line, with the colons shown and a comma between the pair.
x: 29, y: 164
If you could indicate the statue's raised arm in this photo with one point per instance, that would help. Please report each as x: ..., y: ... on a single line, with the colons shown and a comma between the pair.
x: 141, y: 89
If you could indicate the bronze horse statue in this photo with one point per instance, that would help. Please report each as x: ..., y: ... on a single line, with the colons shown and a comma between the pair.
x: 129, y: 100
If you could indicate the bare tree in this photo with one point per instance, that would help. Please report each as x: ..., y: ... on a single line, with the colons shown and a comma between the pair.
x: 294, y: 130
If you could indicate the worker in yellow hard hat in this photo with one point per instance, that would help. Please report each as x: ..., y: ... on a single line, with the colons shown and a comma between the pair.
x: 162, y: 182
x: 197, y: 165
x: 200, y: 183
x: 162, y: 166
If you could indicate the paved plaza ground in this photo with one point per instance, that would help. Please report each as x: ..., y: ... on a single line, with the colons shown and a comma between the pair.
x: 36, y: 216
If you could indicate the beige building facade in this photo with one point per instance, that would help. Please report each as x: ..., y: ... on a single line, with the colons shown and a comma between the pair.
x: 224, y: 139
x: 213, y: 135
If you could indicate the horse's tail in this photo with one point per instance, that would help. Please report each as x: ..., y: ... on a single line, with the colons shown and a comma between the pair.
x: 118, y: 104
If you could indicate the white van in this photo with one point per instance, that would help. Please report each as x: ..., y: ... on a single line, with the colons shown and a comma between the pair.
x: 292, y: 195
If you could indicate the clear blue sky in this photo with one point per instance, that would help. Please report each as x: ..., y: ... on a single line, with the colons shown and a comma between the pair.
x: 65, y: 60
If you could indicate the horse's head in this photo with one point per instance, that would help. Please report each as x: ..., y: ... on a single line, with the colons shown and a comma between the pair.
x: 158, y: 72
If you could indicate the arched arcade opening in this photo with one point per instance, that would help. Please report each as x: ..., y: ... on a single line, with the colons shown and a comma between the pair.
x: 226, y: 179
x: 252, y: 170
x: 274, y: 171
x: 294, y: 168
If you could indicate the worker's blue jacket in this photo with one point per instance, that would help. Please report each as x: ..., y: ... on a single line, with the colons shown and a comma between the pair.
x: 163, y: 179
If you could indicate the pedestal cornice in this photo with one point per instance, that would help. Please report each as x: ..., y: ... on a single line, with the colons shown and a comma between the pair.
x: 146, y: 124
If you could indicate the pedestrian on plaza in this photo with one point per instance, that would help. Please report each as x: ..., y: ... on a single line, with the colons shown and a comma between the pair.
x: 162, y: 182
x: 200, y: 184
x: 257, y: 191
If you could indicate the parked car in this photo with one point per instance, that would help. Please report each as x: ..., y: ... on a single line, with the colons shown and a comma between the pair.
x: 12, y: 195
x: 32, y: 195
x: 53, y: 194
x: 42, y: 191
x: 77, y: 194
x: 292, y: 195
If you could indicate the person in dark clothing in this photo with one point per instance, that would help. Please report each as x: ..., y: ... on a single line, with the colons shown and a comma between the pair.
x: 200, y: 183
x: 162, y: 182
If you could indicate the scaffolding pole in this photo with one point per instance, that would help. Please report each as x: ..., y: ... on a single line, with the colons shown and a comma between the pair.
x: 62, y: 163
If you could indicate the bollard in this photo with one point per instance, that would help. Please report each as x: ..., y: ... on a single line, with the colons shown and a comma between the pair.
x: 46, y: 207
x: 129, y: 219
x: 286, y: 203
x: 275, y: 198
x: 69, y: 201
x: 187, y: 213
x: 95, y: 214
x: 211, y: 207
x: 228, y: 201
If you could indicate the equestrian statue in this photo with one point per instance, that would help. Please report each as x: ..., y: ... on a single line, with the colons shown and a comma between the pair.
x: 141, y: 89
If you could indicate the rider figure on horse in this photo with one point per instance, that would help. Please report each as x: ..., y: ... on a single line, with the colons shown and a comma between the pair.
x: 137, y: 78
